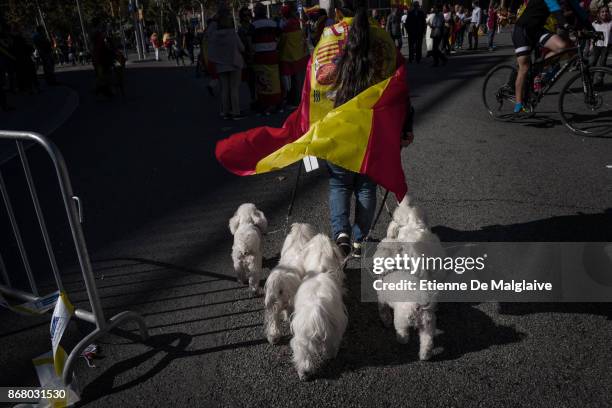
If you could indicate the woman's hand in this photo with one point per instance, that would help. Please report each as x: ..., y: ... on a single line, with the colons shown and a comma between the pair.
x: 407, y: 139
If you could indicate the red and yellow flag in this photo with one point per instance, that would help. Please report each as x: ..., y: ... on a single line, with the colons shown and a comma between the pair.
x: 362, y: 135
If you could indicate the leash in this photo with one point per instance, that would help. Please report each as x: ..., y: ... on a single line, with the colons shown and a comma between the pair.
x: 291, y: 203
x: 382, y: 205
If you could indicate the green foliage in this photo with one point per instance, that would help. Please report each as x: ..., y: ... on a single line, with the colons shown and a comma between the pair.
x: 61, y: 16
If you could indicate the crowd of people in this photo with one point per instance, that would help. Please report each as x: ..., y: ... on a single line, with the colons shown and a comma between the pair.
x: 270, y: 54
x: 177, y: 46
x: 444, y: 28
x: 18, y: 68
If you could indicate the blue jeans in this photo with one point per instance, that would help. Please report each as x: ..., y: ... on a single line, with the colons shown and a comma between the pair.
x: 342, y: 185
x: 491, y: 35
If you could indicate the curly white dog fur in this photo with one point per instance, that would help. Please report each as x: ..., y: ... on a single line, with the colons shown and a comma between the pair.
x: 322, y: 255
x: 318, y: 323
x: 281, y: 288
x: 292, y: 253
x: 405, y: 214
x: 284, y: 280
x: 248, y: 225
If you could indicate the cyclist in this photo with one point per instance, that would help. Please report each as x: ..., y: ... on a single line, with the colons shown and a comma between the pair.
x: 529, y: 32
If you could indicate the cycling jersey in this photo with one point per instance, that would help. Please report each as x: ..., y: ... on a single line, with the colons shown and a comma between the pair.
x: 536, y: 13
x: 531, y: 27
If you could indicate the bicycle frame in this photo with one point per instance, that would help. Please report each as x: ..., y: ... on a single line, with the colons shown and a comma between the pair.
x: 537, y: 67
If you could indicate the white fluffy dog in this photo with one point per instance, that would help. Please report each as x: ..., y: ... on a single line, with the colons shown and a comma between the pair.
x: 318, y: 323
x: 405, y: 214
x: 248, y: 225
x: 281, y: 288
x: 417, y: 309
x: 293, y: 247
x: 322, y: 255
x: 284, y: 280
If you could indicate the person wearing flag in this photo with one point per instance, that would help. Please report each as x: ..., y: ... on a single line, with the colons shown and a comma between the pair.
x: 265, y: 61
x: 368, y: 56
x: 354, y: 114
x: 293, y: 54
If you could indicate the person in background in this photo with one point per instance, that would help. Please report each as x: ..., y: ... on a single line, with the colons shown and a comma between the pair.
x: 293, y: 55
x: 437, y: 34
x: 45, y: 53
x: 225, y: 50
x: 428, y: 38
x: 188, y: 39
x: 416, y: 27
x: 265, y: 61
x: 394, y: 27
x: 25, y: 69
x: 168, y: 42
x: 492, y: 24
x: 245, y: 32
x: 103, y: 58
x: 177, y: 49
x: 599, y: 57
x: 155, y: 44
x: 318, y: 20
x: 475, y: 21
x: 404, y: 20
x: 460, y: 21
x: 448, y: 27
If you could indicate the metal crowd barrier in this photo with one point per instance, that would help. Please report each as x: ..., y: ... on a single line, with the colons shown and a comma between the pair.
x: 73, y: 210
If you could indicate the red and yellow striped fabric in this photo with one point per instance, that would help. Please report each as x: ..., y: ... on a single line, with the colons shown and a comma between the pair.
x: 362, y: 135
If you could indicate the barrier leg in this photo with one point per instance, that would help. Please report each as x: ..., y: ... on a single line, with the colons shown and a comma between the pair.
x: 16, y: 231
x: 5, y: 276
x: 115, y: 321
x: 39, y: 215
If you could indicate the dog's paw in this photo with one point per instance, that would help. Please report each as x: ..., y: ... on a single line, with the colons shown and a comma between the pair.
x: 402, y: 338
x: 273, y: 338
x: 304, y: 376
x: 424, y: 355
x: 386, y: 315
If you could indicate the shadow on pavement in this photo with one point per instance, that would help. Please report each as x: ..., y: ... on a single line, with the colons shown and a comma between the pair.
x: 464, y: 329
x: 172, y: 346
x: 570, y: 228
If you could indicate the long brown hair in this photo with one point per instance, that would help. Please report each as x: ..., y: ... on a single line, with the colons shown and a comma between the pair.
x: 355, y: 71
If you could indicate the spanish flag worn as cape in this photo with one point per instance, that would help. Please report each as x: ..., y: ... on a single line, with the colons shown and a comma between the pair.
x: 362, y: 135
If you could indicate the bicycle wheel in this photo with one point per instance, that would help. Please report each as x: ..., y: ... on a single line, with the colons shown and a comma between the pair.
x: 583, y: 116
x: 498, y: 92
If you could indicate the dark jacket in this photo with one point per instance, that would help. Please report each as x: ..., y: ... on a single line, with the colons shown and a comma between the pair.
x: 415, y: 22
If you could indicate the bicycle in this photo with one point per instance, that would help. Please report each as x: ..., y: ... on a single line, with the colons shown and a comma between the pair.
x: 583, y: 91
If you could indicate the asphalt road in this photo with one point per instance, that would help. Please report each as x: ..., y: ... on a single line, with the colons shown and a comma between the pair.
x: 156, y: 207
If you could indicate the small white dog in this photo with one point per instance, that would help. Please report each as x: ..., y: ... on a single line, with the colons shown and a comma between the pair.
x: 318, y: 323
x: 322, y: 255
x: 418, y: 309
x: 284, y: 280
x: 248, y: 226
x: 419, y: 313
x: 405, y: 214
x: 281, y: 288
x: 292, y: 253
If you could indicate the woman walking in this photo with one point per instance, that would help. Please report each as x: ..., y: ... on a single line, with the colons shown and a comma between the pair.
x: 369, y: 56
x: 491, y: 24
x: 225, y: 51
x: 437, y: 35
